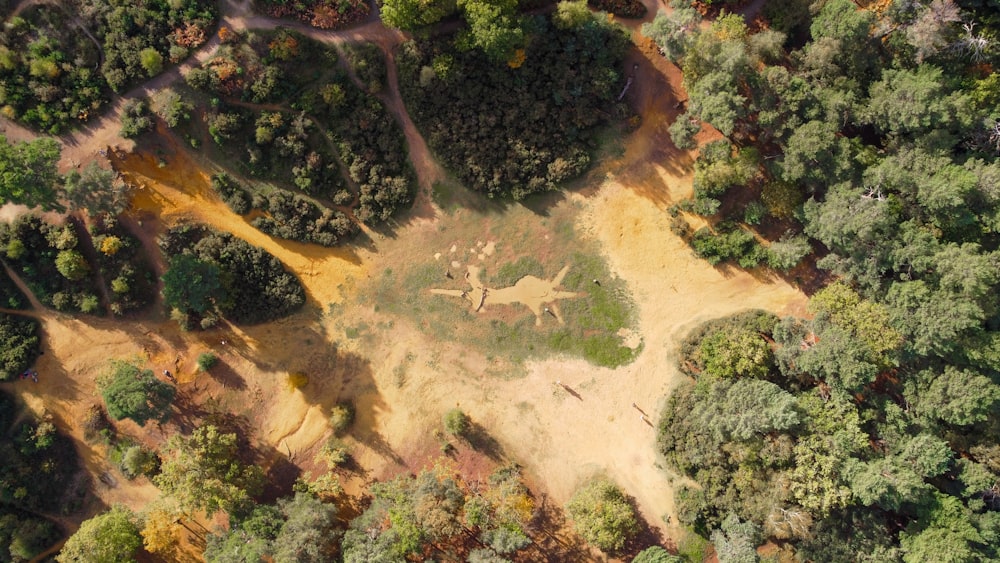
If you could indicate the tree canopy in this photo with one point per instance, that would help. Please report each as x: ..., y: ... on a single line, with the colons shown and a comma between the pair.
x: 134, y: 393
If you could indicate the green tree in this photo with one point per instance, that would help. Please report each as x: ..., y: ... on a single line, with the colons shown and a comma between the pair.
x: 72, y: 265
x: 603, y: 515
x: 944, y: 532
x: 656, y: 554
x: 151, y: 60
x: 28, y: 172
x: 571, y: 14
x: 674, y: 32
x: 494, y: 28
x: 129, y: 392
x: 190, y: 284
x: 248, y: 539
x: 736, y: 541
x: 413, y: 14
x: 736, y: 352
x: 97, y: 190
x: 309, y: 533
x: 207, y: 360
x: 456, y: 422
x: 203, y: 471
x: 112, y: 537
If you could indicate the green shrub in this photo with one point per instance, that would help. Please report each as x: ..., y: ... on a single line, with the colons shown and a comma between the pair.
x: 456, y: 422
x: 135, y: 118
x: 603, y: 515
x: 206, y: 360
x: 341, y: 417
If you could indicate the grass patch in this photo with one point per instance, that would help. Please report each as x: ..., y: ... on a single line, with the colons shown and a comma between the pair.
x: 508, y: 274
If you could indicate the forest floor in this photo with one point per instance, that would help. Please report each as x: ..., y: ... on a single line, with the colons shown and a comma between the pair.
x: 401, y: 378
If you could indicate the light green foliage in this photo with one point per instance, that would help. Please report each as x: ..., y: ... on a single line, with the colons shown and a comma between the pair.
x: 151, y: 60
x: 249, y: 539
x: 72, y: 265
x: 865, y: 320
x: 674, y: 32
x: 97, y: 190
x: 207, y: 360
x: 130, y: 392
x: 954, y: 396
x: 571, y: 14
x: 787, y: 252
x: 112, y: 537
x: 818, y: 481
x: 494, y: 28
x: 203, y: 471
x: 603, y: 515
x: 135, y: 118
x: 28, y: 172
x: 456, y: 422
x: 413, y: 14
x: 912, y: 102
x: 736, y: 541
x: 944, y: 532
x: 736, y: 352
x: 341, y: 417
x: 656, y: 554
x: 309, y: 533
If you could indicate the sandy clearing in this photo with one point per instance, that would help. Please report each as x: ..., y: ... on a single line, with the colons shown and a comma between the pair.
x: 179, y: 190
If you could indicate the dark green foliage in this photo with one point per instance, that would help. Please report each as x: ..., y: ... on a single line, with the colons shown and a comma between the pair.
x: 232, y: 192
x: 20, y: 345
x: 253, y: 286
x: 330, y: 130
x: 728, y: 243
x: 136, y: 118
x: 99, y: 191
x: 10, y: 296
x: 28, y: 172
x: 191, y: 284
x: 297, y: 218
x: 50, y: 69
x: 38, y: 463
x: 59, y: 62
x: 531, y: 132
x: 33, y: 250
x: 368, y: 64
x: 603, y: 515
x: 23, y: 535
x: 123, y: 266
x: 130, y: 392
x: 127, y: 28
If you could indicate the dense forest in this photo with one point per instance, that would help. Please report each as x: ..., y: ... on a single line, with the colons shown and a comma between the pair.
x: 60, y: 63
x: 525, y: 126
x: 866, y: 140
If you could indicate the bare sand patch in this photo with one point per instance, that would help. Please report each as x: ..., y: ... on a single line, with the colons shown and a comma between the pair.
x: 176, y: 189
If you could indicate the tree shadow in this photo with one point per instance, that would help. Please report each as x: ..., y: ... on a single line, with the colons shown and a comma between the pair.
x: 480, y: 440
x: 227, y: 376
x: 552, y: 540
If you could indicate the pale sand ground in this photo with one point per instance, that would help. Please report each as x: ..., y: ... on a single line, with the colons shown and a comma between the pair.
x: 560, y: 439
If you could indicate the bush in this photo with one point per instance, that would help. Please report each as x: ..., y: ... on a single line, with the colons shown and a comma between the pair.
x: 135, y: 118
x: 206, y: 360
x: 522, y: 141
x: 297, y: 380
x: 456, y: 422
x: 137, y: 460
x: 20, y: 345
x: 603, y: 515
x: 232, y: 193
x: 255, y: 287
x: 341, y: 417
